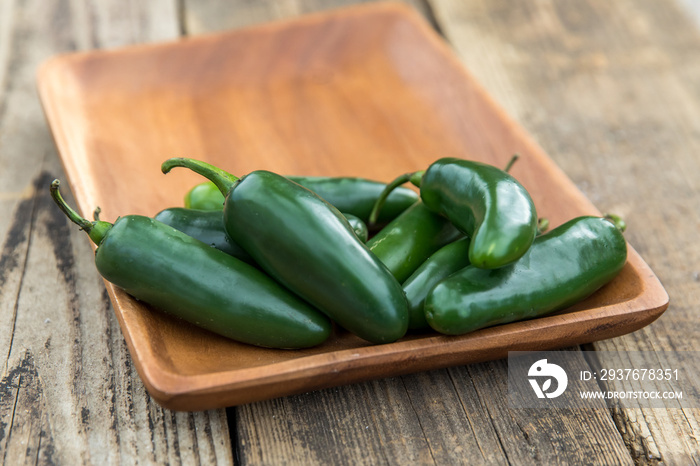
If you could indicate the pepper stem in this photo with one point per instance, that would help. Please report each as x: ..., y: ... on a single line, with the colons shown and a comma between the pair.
x: 223, y: 180
x: 511, y: 162
x: 616, y: 220
x: 413, y: 177
x: 96, y: 230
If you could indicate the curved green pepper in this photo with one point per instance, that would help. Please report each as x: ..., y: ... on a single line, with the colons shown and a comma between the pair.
x: 408, y: 240
x: 186, y: 278
x: 443, y: 263
x: 482, y: 201
x: 208, y: 227
x: 307, y: 245
x: 350, y: 195
x: 487, y: 204
x: 561, y: 268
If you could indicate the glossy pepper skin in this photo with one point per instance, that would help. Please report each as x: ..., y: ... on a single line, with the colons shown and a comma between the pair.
x: 188, y: 279
x: 307, y: 245
x: 350, y: 195
x: 408, y: 240
x: 444, y: 262
x: 484, y: 202
x: 440, y: 265
x: 561, y: 268
x: 208, y: 227
x: 204, y: 225
x: 357, y: 196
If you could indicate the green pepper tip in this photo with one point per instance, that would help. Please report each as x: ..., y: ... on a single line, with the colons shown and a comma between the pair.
x: 169, y: 164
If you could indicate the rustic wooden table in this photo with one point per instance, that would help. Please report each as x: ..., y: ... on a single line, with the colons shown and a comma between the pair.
x: 609, y: 89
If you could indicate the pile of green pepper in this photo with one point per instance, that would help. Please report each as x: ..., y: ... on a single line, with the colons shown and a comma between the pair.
x: 276, y: 261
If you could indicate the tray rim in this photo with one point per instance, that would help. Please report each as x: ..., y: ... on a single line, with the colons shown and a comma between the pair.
x: 192, y: 392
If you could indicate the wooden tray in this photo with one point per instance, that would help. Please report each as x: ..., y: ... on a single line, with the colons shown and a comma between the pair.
x: 367, y: 91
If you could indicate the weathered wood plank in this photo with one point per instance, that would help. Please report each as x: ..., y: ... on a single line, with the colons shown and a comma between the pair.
x: 609, y: 90
x: 456, y: 416
x: 529, y: 436
x: 68, y: 391
x: 208, y: 16
x: 332, y: 427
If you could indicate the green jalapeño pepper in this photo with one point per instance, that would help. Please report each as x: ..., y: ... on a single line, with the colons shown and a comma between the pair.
x: 188, y: 279
x: 350, y: 195
x: 307, y: 245
x: 204, y: 225
x: 443, y: 263
x: 408, y: 240
x: 208, y: 227
x: 204, y: 196
x: 482, y: 201
x: 357, y: 196
x: 561, y: 268
x: 485, y: 203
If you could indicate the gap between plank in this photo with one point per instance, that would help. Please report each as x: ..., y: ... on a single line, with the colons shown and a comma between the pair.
x: 478, y: 396
x: 32, y: 217
x: 617, y: 418
x: 231, y: 417
x: 12, y: 418
x: 422, y: 429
